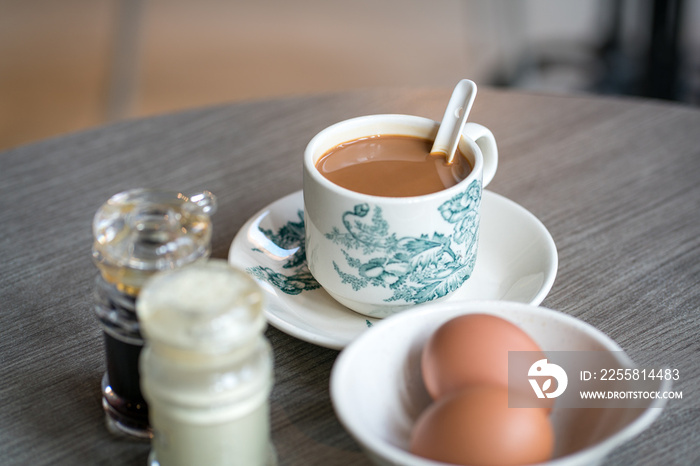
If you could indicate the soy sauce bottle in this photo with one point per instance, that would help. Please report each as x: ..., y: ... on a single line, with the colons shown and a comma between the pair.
x: 138, y: 233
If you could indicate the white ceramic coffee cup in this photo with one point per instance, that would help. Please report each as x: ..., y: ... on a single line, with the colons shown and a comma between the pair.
x: 379, y: 255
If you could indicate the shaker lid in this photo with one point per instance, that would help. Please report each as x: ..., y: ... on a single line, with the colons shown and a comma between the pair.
x: 151, y: 230
x: 207, y: 307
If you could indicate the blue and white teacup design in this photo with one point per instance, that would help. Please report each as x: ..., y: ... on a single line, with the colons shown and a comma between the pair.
x: 379, y: 255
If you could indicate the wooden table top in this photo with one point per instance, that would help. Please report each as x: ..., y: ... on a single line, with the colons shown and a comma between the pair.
x: 615, y: 181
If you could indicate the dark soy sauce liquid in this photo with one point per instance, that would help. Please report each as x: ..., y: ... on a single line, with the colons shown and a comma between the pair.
x: 121, y: 388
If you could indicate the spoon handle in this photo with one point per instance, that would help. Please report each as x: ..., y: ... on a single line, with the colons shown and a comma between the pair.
x: 453, y: 121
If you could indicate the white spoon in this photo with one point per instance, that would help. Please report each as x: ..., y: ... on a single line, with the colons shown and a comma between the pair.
x: 453, y: 121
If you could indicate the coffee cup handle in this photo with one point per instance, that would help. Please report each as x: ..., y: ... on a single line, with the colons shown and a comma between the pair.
x: 483, y: 137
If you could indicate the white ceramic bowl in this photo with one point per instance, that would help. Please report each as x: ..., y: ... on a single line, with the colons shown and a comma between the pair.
x: 378, y: 393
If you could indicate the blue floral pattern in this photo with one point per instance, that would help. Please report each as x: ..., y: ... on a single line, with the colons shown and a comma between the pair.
x: 289, y: 237
x: 416, y: 269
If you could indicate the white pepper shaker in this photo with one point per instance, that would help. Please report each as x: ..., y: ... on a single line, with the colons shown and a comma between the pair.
x: 206, y: 368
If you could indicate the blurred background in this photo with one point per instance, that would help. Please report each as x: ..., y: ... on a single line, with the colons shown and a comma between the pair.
x: 67, y: 65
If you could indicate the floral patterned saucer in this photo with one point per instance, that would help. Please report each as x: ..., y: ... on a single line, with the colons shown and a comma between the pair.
x: 516, y: 261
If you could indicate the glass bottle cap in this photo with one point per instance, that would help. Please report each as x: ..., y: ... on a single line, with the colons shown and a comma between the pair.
x: 142, y: 231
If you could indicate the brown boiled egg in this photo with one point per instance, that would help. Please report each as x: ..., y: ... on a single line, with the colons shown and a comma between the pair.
x: 471, y: 349
x: 475, y: 426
